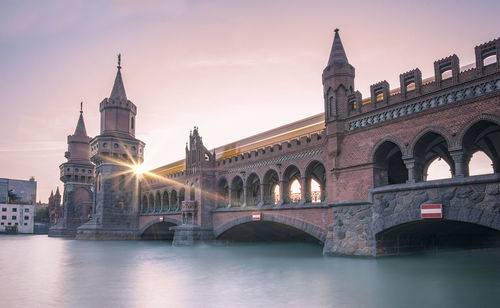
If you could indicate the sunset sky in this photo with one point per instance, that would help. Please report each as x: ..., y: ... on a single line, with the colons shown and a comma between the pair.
x: 232, y: 68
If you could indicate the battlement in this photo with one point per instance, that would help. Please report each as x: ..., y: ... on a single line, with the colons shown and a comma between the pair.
x: 115, y: 103
x: 448, y: 75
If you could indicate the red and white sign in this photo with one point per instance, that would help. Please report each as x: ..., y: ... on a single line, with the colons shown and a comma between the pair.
x: 161, y: 218
x: 431, y: 211
x: 256, y: 216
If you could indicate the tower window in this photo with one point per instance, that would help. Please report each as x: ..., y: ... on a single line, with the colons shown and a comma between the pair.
x: 132, y: 122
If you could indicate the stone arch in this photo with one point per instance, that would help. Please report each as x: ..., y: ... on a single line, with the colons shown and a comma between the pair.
x: 151, y: 202
x: 157, y: 202
x: 253, y: 189
x: 223, y: 192
x: 270, y: 180
x: 291, y: 173
x: 164, y: 223
x: 428, y: 145
x: 315, y: 169
x: 471, y: 122
x: 236, y: 188
x: 396, y: 141
x: 181, y: 196
x: 431, y: 129
x: 165, y: 201
x: 174, y: 201
x: 144, y: 203
x: 388, y: 165
x: 481, y: 134
x: 302, y: 225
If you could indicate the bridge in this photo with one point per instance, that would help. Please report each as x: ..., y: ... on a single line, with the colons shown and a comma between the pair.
x: 354, y: 178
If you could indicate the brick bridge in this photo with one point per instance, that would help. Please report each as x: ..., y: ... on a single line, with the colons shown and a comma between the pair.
x: 354, y: 177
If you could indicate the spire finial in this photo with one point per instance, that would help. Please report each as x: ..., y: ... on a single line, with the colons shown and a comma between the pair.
x: 119, y: 60
x: 336, y: 30
x: 81, y: 107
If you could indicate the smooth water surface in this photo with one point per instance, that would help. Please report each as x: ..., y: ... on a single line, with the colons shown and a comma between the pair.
x: 37, y: 271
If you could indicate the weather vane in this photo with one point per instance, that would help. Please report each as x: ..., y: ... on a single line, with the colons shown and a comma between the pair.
x: 119, y: 60
x: 81, y: 107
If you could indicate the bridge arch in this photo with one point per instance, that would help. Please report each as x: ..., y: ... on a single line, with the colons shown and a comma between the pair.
x: 315, y: 171
x: 290, y: 223
x: 223, y: 195
x: 151, y: 202
x: 270, y: 181
x: 173, y: 200
x: 427, y: 146
x: 482, y: 134
x: 157, y: 202
x: 253, y: 189
x: 165, y: 201
x: 291, y: 174
x: 388, y: 165
x: 159, y: 229
x: 237, y: 197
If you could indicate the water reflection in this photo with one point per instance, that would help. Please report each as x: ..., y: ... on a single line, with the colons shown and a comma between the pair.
x: 41, y: 272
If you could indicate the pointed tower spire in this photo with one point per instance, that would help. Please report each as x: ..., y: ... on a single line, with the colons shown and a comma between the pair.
x: 80, y: 127
x: 57, y: 191
x: 337, y: 54
x: 51, y: 193
x: 118, y: 92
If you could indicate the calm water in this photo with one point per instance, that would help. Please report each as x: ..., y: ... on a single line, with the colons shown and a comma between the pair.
x: 37, y: 271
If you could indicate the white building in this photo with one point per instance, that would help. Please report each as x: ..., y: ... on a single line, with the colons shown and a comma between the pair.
x: 21, y: 216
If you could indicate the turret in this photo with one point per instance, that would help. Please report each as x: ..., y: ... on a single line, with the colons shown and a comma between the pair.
x: 117, y: 112
x: 338, y: 81
x: 78, y: 167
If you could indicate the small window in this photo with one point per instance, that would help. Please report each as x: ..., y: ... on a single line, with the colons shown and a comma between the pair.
x: 14, y: 209
x: 115, y: 145
x: 4, y: 209
x: 132, y: 123
x: 1, y: 224
x: 16, y: 224
x: 379, y: 97
x: 410, y: 86
x: 122, y: 182
x: 25, y: 223
x: 26, y: 218
x: 4, y: 217
x: 76, y: 169
x: 14, y: 217
x: 26, y: 210
x: 8, y: 224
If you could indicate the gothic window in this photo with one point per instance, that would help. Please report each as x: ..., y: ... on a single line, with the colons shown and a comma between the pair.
x: 122, y: 182
x: 132, y: 123
x: 99, y: 182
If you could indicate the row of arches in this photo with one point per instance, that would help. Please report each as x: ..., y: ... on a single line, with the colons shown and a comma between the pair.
x: 291, y: 187
x: 430, y: 157
x: 162, y: 202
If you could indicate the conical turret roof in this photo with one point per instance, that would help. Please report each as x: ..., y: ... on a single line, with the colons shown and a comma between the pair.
x: 80, y: 127
x: 337, y: 54
x: 118, y: 92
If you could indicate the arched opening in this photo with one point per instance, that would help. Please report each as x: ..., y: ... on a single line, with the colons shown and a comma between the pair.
x: 271, y: 185
x: 144, y: 204
x: 266, y: 231
x: 237, y: 192
x: 389, y: 167
x: 253, y: 189
x: 191, y: 192
x: 157, y: 202
x: 315, y: 182
x: 151, y: 203
x: 437, y: 169
x: 291, y: 176
x: 182, y: 195
x: 173, y: 200
x: 480, y: 164
x: 484, y: 136
x: 435, y: 235
x: 159, y: 231
x: 427, y: 149
x: 165, y: 203
x: 222, y: 193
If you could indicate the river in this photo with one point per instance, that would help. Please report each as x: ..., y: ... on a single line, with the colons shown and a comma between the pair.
x: 37, y: 271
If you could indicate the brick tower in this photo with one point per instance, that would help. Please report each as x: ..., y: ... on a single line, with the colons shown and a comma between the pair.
x: 115, y: 151
x: 77, y: 174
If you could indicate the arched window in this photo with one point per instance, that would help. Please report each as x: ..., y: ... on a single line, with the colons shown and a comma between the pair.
x: 483, y: 136
x: 388, y: 165
x: 99, y: 182
x: 121, y: 183
x: 158, y: 202
x: 427, y: 149
x: 182, y: 195
x: 173, y: 201
x: 437, y: 169
x: 144, y: 203
x: 253, y: 189
x: 165, y: 201
x: 315, y: 182
x: 222, y: 193
x: 277, y: 195
x: 151, y: 203
x: 191, y: 193
x: 237, y: 192
x: 271, y: 186
x: 480, y: 164
x: 291, y: 176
